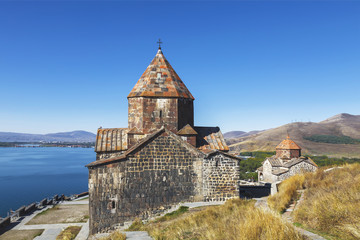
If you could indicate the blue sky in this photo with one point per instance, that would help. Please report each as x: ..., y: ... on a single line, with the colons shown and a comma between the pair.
x: 69, y: 65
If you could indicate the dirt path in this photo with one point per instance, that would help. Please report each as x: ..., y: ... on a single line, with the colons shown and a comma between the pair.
x: 262, y: 203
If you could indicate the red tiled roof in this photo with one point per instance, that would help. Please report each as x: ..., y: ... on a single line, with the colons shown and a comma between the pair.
x: 160, y: 80
x: 210, y: 138
x: 288, y: 144
x: 111, y: 139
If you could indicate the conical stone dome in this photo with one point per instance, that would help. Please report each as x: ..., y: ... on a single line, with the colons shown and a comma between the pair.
x: 160, y: 80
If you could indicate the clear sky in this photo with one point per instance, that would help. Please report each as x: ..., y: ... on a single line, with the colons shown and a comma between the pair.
x: 251, y: 65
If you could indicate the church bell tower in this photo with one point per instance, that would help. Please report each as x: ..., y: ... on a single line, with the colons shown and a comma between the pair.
x: 159, y: 98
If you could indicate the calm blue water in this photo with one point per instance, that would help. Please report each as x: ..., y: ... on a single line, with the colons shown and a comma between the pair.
x: 30, y: 174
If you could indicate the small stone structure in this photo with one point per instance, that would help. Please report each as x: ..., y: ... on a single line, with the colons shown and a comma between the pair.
x: 285, y: 163
x: 161, y: 159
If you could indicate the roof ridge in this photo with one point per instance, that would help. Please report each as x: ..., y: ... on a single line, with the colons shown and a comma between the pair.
x: 141, y: 143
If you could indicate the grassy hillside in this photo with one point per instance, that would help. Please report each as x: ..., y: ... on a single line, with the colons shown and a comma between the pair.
x: 237, y: 219
x: 342, y: 130
x: 331, y: 202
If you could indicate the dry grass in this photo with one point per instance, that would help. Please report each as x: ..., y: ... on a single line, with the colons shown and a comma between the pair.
x: 237, y: 219
x: 69, y: 233
x: 332, y: 202
x: 21, y: 234
x: 115, y: 236
x: 62, y: 214
x: 287, y: 192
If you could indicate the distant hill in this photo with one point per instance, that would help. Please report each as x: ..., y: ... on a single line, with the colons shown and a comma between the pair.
x: 323, y: 138
x: 238, y: 134
x: 75, y: 137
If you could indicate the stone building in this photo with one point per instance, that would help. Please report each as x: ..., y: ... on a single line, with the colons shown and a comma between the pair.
x: 285, y: 163
x: 161, y: 158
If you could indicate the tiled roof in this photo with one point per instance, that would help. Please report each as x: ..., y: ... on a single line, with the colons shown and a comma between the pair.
x: 295, y: 161
x: 210, y: 138
x: 111, y: 139
x: 279, y: 171
x: 288, y: 144
x: 143, y: 142
x: 187, y: 130
x: 275, y: 162
x: 160, y: 80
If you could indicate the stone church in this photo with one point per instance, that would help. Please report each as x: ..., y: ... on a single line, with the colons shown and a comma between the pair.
x: 161, y: 158
x: 285, y: 163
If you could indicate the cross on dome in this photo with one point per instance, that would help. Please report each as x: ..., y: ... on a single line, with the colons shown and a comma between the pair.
x: 159, y: 42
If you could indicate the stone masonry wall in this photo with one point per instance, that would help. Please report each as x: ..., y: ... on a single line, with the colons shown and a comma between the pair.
x: 288, y: 153
x: 161, y: 174
x: 135, y: 113
x: 220, y: 178
x: 159, y: 112
x: 297, y: 169
x: 295, y: 153
x: 150, y: 114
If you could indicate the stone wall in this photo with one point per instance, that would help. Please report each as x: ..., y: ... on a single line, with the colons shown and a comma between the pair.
x: 150, y: 114
x: 288, y: 153
x: 159, y: 175
x: 267, y: 175
x: 298, y: 169
x: 135, y: 113
x: 220, y: 178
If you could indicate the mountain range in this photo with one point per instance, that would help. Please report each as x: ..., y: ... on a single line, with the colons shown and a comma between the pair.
x: 336, y: 136
x: 74, y: 137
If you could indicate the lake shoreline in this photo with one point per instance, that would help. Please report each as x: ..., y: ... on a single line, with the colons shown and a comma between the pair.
x: 31, y: 174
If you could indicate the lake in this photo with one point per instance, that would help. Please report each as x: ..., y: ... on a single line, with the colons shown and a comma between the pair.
x: 30, y: 174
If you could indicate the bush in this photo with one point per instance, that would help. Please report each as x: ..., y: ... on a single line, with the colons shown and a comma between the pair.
x: 115, y: 236
x: 248, y: 167
x: 69, y: 233
x: 332, y: 139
